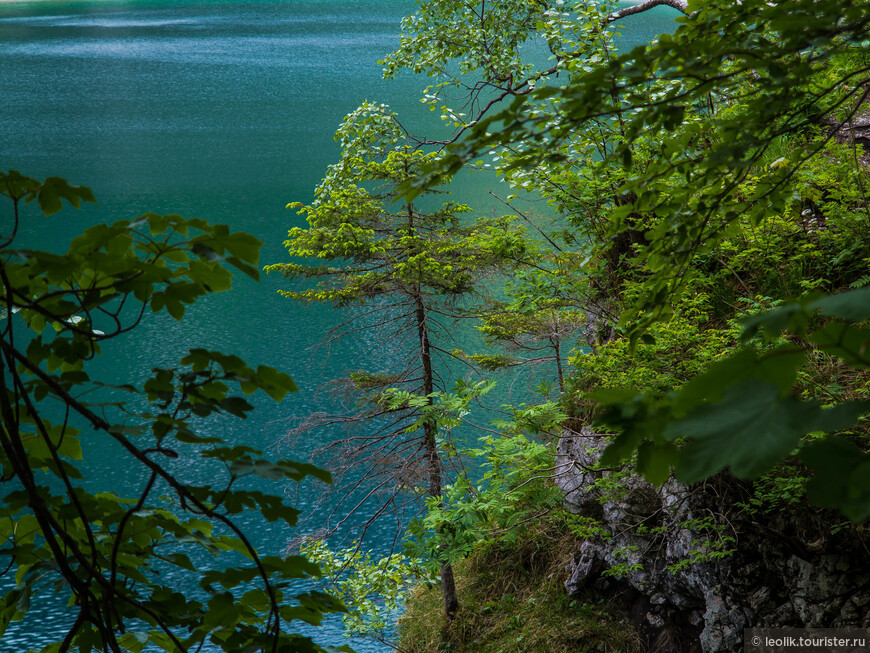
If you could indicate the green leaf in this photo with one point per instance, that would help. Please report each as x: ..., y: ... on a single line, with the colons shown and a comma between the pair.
x: 228, y: 578
x: 9, y: 609
x: 751, y: 429
x: 841, y: 471
x: 778, y: 368
x: 243, y: 246
x: 654, y: 461
x: 847, y: 342
x: 54, y: 189
x: 236, y: 406
x: 274, y: 383
x: 852, y: 306
x: 222, y: 610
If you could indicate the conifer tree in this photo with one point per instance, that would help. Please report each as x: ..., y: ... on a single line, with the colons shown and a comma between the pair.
x: 415, y: 271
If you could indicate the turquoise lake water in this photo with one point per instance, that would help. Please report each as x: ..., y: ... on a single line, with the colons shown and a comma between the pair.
x: 221, y: 110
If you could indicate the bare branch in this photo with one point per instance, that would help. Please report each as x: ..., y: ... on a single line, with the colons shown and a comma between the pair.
x: 679, y: 5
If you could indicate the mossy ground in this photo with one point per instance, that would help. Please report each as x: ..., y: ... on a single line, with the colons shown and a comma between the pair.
x: 512, y: 601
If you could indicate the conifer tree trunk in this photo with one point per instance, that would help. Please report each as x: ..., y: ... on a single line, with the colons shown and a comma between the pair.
x: 430, y: 429
x: 557, y: 346
x: 448, y: 584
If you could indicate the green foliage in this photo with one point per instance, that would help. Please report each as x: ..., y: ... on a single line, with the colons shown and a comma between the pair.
x: 707, y: 162
x: 382, y: 253
x: 444, y: 409
x: 539, y: 325
x: 776, y: 493
x: 672, y: 352
x: 479, y: 48
x: 715, y: 544
x: 48, y: 193
x: 515, y: 490
x: 739, y: 413
x: 374, y: 589
x: 109, y: 552
x: 701, y: 111
x: 620, y: 569
x: 816, y: 243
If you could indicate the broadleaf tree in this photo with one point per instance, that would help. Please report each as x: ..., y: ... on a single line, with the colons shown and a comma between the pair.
x: 62, y: 532
x: 717, y: 128
x: 488, y: 56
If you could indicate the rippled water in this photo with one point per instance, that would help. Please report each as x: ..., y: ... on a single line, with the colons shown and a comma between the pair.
x: 219, y: 110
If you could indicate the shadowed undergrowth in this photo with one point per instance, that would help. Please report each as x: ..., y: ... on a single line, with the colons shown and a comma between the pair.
x: 513, y: 601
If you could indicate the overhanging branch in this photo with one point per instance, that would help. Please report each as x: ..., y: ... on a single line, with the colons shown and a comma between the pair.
x: 679, y: 5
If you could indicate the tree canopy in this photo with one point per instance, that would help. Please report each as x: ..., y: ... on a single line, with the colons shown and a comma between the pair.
x: 725, y: 124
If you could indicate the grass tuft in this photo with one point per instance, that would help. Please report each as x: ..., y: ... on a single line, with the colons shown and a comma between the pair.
x: 513, y: 601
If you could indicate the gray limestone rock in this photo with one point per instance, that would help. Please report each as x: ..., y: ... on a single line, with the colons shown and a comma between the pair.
x: 664, y: 546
